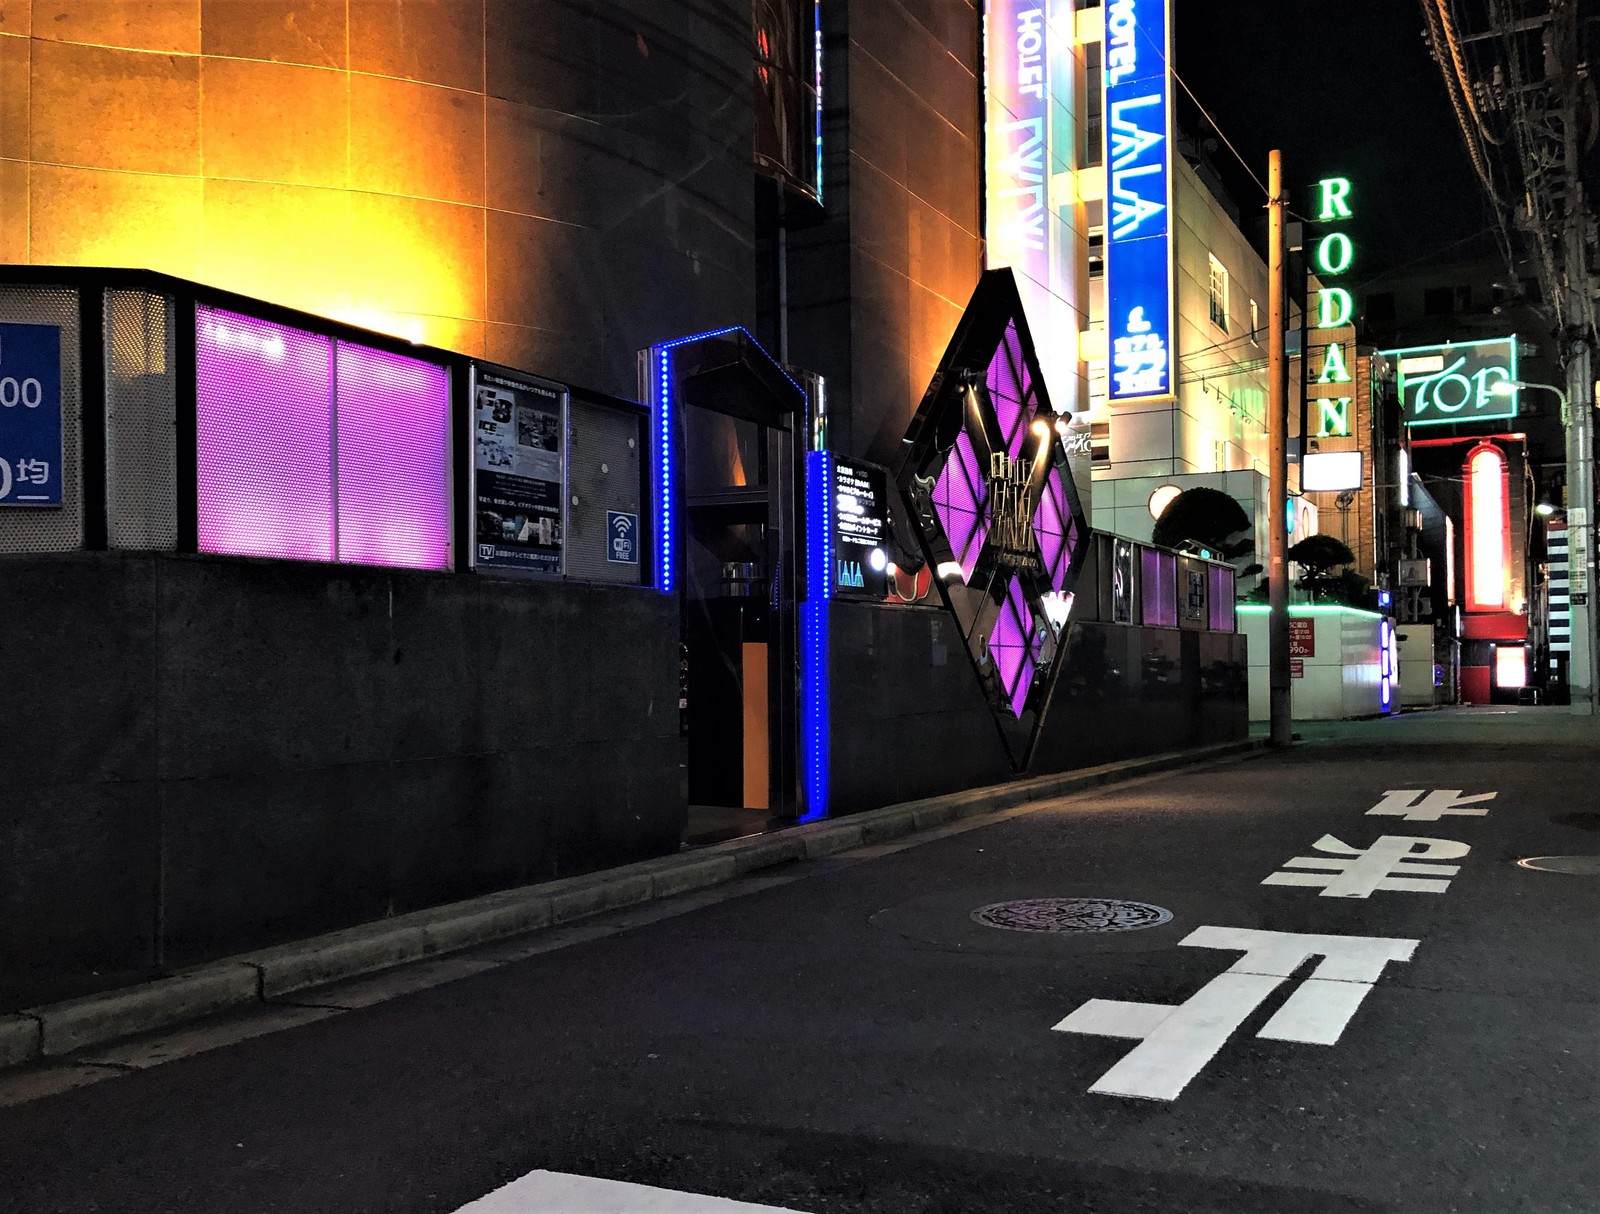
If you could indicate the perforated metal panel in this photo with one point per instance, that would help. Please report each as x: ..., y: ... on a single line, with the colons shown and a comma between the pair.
x: 605, y: 477
x: 141, y: 421
x: 55, y: 529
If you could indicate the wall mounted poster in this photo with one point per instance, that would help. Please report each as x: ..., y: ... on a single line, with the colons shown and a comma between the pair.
x: 519, y: 426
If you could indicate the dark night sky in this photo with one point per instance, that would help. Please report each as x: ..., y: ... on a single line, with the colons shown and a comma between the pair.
x: 1343, y: 88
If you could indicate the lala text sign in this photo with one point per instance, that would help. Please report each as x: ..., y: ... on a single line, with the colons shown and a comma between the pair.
x: 30, y: 415
x: 1441, y: 385
x: 860, y: 527
x: 1138, y: 246
x: 1018, y: 129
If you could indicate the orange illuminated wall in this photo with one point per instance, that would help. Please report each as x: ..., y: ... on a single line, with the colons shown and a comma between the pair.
x: 431, y: 168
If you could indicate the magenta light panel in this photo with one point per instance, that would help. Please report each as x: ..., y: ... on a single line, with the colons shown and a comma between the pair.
x: 264, y: 421
x: 318, y: 450
x: 393, y: 459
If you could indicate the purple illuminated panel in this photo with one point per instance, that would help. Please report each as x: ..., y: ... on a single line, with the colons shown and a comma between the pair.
x: 1009, y: 646
x: 394, y: 459
x: 264, y: 419
x: 958, y: 498
x: 1011, y: 390
x: 1221, y: 599
x: 1158, y: 585
x: 1056, y: 533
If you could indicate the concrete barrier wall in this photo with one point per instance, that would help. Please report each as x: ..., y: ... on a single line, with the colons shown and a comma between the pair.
x: 203, y: 755
x: 909, y: 719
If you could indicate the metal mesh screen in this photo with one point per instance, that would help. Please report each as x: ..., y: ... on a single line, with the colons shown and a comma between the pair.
x: 53, y: 529
x: 604, y: 467
x: 393, y: 459
x: 264, y: 415
x: 141, y: 421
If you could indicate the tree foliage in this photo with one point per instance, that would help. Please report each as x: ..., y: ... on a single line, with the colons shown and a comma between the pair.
x: 1208, y: 517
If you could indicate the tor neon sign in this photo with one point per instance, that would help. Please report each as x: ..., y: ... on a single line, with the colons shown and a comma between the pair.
x: 1453, y: 384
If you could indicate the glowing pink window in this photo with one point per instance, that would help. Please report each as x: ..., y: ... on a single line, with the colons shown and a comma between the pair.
x: 264, y: 417
x: 319, y: 450
x: 394, y: 459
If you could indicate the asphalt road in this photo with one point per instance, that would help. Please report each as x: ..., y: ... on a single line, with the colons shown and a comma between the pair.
x: 844, y: 1036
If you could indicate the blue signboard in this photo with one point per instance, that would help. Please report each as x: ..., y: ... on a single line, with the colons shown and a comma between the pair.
x: 30, y: 415
x: 622, y: 536
x: 1138, y: 239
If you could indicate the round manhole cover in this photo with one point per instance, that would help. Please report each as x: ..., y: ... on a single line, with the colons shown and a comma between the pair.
x: 1071, y: 915
x: 1577, y: 866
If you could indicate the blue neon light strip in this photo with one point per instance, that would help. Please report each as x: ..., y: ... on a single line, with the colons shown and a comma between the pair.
x: 1139, y: 231
x: 817, y: 19
x: 814, y: 723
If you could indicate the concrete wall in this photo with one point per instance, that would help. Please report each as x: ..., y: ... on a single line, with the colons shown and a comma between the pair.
x: 545, y: 183
x: 259, y: 750
x: 909, y: 719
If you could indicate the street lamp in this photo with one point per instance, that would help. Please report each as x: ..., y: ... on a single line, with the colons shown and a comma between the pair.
x: 1507, y: 387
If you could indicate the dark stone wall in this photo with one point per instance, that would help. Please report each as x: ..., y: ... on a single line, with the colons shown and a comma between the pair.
x: 909, y: 720
x: 877, y: 290
x: 205, y: 755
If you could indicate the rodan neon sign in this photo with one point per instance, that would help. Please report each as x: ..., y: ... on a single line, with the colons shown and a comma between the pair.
x: 1332, y: 257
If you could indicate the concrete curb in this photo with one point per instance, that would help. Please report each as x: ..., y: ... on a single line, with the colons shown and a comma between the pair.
x: 256, y: 977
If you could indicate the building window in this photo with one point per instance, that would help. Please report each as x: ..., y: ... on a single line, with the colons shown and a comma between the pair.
x: 1219, y: 294
x: 1097, y: 254
x: 1255, y: 322
x: 1438, y: 301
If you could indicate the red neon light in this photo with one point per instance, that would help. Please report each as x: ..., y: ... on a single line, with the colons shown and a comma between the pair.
x: 1488, y: 527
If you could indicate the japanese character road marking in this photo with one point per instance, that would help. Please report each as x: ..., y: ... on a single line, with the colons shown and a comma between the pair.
x: 1394, y: 862
x: 1176, y: 1042
x: 1405, y: 803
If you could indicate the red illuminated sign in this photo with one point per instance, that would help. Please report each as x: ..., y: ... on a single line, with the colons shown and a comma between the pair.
x: 1302, y: 638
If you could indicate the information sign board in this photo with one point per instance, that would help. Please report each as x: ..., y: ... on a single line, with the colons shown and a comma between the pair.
x: 1302, y: 638
x: 519, y: 429
x: 30, y: 415
x: 860, y: 529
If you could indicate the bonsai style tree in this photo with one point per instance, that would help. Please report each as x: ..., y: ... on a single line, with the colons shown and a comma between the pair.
x: 1208, y: 518
x: 1318, y: 556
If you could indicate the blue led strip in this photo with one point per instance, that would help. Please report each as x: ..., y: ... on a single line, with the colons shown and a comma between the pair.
x: 814, y: 726
x: 662, y: 362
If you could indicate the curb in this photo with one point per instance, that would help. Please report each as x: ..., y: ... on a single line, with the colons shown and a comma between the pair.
x: 253, y: 978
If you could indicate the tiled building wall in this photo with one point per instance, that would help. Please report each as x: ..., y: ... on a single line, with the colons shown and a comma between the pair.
x: 876, y: 290
x: 548, y: 183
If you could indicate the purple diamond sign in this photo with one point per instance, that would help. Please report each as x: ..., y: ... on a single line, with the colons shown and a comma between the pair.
x: 995, y: 508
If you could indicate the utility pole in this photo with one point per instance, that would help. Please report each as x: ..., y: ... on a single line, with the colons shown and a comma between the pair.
x: 1580, y: 385
x: 1279, y: 685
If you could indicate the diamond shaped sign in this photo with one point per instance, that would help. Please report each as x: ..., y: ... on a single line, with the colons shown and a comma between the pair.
x: 986, y: 481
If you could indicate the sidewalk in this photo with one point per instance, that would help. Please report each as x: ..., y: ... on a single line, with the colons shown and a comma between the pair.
x: 233, y: 983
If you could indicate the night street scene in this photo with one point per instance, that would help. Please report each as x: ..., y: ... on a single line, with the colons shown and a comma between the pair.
x: 799, y: 607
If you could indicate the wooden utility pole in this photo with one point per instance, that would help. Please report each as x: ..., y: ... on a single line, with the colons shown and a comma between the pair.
x: 1278, y: 470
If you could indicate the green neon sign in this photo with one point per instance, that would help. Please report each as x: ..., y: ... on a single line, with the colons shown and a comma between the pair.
x: 1333, y: 417
x: 1454, y: 384
x: 1333, y: 191
x: 1334, y: 370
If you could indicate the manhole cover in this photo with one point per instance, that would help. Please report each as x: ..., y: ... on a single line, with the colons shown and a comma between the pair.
x: 1578, y: 866
x: 1071, y: 915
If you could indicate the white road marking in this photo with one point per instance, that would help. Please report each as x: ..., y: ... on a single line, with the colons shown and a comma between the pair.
x: 1403, y: 863
x: 564, y: 1193
x: 1405, y: 803
x: 1176, y: 1041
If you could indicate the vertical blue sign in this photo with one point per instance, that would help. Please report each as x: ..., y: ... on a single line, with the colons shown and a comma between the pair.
x: 1138, y: 240
x: 30, y: 415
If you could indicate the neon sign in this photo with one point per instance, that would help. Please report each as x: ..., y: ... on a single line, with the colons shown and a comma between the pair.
x: 1016, y: 126
x: 1488, y: 525
x: 1441, y: 385
x: 1138, y: 243
x: 1332, y: 256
